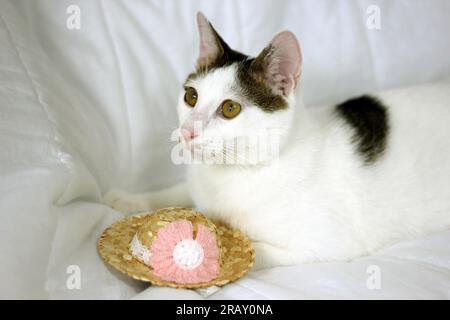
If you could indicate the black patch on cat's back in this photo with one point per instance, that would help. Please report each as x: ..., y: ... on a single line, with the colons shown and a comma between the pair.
x: 369, y: 119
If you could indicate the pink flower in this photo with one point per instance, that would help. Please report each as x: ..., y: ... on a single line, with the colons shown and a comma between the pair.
x: 177, y: 257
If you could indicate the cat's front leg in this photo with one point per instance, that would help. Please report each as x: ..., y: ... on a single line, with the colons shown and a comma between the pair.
x: 124, y: 201
x: 268, y: 256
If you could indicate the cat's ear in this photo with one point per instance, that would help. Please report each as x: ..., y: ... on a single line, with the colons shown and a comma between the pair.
x: 212, y: 46
x: 280, y: 63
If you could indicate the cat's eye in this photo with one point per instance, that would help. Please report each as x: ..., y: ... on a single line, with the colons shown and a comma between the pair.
x: 230, y: 109
x: 190, y: 97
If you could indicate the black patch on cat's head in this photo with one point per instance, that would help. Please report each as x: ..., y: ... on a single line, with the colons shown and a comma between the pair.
x: 226, y: 57
x: 253, y: 84
x: 249, y: 76
x: 369, y: 119
x: 229, y: 57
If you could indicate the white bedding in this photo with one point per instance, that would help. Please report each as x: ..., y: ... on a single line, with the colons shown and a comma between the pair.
x: 83, y: 111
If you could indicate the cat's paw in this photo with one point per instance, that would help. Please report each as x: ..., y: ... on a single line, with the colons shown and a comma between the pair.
x: 125, y: 202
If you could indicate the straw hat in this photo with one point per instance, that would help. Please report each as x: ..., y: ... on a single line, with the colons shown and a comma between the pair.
x: 176, y: 247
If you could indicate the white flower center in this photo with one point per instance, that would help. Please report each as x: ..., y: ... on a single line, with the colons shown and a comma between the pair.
x: 188, y: 254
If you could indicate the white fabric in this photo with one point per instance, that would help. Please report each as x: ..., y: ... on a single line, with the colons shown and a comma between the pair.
x: 83, y: 111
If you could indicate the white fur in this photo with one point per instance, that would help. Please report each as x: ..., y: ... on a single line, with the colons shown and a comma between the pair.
x: 317, y: 201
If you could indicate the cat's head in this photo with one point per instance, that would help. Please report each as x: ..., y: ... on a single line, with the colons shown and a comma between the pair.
x: 232, y: 100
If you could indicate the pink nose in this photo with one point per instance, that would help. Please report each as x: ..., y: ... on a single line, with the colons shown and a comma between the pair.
x: 188, y: 134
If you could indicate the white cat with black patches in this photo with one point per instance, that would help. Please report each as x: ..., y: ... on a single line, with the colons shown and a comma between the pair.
x: 348, y: 179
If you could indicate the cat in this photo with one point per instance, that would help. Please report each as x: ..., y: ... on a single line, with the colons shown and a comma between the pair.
x: 347, y: 179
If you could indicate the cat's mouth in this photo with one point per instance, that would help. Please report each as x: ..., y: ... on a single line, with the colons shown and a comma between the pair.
x: 193, y: 146
x: 203, y: 150
x: 238, y: 150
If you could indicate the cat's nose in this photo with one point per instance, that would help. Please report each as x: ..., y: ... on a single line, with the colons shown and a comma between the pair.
x: 188, y: 134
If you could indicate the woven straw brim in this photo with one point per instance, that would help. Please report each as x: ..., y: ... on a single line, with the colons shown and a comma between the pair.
x: 238, y: 254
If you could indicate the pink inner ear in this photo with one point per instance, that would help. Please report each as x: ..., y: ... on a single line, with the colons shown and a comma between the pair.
x: 209, y: 49
x: 285, y: 63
